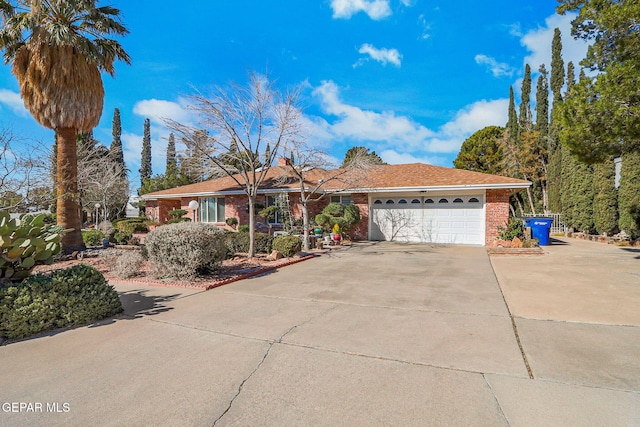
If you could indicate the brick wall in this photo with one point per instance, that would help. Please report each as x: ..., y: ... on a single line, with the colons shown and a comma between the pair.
x: 361, y: 230
x: 497, y: 213
x: 158, y: 210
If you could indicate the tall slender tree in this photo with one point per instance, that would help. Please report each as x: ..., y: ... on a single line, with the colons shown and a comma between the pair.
x: 172, y: 162
x: 582, y: 194
x: 512, y: 123
x: 58, y: 50
x: 557, y: 66
x: 115, y: 150
x: 605, y: 199
x: 145, y: 159
x: 629, y: 194
x: 542, y: 104
x: 526, y: 123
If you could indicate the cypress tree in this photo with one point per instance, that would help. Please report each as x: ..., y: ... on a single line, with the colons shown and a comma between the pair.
x: 542, y: 104
x: 629, y: 194
x: 512, y: 124
x: 172, y: 163
x: 557, y: 66
x: 145, y: 161
x: 605, y: 203
x: 525, y: 104
x: 582, y: 193
x: 568, y: 165
x: 115, y: 150
x: 571, y: 76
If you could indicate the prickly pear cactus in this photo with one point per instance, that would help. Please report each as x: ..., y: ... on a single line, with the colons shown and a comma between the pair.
x: 25, y: 243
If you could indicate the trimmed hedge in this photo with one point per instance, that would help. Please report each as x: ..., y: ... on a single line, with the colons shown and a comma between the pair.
x: 186, y: 249
x: 239, y: 242
x: 92, y: 237
x: 75, y: 296
x: 287, y: 245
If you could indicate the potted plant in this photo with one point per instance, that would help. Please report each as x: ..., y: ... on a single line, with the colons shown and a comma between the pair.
x: 232, y: 222
x: 335, y: 233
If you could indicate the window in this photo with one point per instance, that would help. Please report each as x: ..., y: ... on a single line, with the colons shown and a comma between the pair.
x: 342, y: 199
x: 277, y: 216
x: 414, y: 201
x: 429, y: 201
x: 390, y: 202
x: 377, y: 202
x: 402, y: 202
x: 443, y: 200
x: 458, y: 200
x: 211, y: 209
x: 474, y: 200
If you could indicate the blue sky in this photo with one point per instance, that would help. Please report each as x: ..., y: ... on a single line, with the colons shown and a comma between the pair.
x: 410, y: 79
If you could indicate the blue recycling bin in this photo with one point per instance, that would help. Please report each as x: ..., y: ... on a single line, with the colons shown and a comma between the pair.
x: 540, y: 229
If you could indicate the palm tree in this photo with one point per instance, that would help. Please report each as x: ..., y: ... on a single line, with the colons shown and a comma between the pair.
x: 58, y: 49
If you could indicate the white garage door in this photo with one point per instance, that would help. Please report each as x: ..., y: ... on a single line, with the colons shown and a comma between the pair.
x: 441, y: 219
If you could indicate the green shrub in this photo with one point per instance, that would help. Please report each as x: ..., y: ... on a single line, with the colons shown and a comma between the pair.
x: 334, y: 209
x: 24, y: 243
x: 177, y: 220
x: 186, y: 249
x: 287, y: 245
x: 346, y: 216
x: 120, y: 238
x: 177, y: 213
x: 244, y: 228
x: 514, y: 228
x: 231, y: 221
x: 132, y: 225
x: 71, y: 297
x: 239, y: 242
x: 92, y: 237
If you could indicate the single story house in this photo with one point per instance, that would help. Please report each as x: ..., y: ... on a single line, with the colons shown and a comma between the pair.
x: 407, y: 202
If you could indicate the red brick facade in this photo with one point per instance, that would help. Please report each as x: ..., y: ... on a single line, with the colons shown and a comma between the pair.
x: 497, y: 213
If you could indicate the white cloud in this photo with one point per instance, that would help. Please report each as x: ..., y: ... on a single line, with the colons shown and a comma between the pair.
x: 425, y: 27
x: 157, y: 110
x: 498, y: 69
x: 376, y: 9
x: 383, y: 55
x: 394, y: 158
x: 13, y: 101
x: 538, y: 43
x: 398, y: 137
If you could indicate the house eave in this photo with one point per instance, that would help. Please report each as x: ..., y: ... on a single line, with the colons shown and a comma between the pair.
x: 502, y: 186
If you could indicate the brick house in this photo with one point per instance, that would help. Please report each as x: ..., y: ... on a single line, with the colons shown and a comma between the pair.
x: 408, y: 202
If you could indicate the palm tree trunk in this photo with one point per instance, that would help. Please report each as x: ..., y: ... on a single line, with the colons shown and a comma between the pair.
x: 68, y: 202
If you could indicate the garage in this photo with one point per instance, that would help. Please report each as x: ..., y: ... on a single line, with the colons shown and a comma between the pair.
x: 446, y: 218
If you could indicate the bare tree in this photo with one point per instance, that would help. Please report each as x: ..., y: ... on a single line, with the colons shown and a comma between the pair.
x: 24, y: 177
x: 317, y: 176
x: 102, y: 180
x: 240, y: 130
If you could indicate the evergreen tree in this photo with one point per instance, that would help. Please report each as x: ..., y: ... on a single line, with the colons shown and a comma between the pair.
x: 568, y: 165
x: 482, y: 151
x: 582, y: 194
x: 629, y: 194
x: 512, y: 124
x: 605, y: 203
x: 361, y: 152
x: 542, y: 104
x: 571, y: 76
x: 115, y: 150
x: 172, y: 163
x: 145, y: 161
x: 525, y: 104
x: 557, y: 66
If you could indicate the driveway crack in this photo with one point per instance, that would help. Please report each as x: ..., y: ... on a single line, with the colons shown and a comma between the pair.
x: 484, y: 377
x: 266, y: 354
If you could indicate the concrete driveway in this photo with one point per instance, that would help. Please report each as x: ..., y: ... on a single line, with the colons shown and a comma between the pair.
x: 377, y: 334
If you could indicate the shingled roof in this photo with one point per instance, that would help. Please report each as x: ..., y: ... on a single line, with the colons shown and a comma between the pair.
x: 416, y: 176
